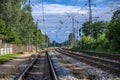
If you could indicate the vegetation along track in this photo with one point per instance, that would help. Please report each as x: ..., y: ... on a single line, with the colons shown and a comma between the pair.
x: 97, y: 62
x: 40, y: 68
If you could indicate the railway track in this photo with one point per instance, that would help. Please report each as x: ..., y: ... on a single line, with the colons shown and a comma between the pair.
x: 100, y: 59
x: 109, y: 66
x: 40, y: 68
x: 66, y: 70
x: 103, y: 55
x: 75, y: 70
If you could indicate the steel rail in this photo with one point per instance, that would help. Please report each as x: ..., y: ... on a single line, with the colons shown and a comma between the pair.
x: 52, y: 69
x: 23, y: 74
x: 112, y: 63
x: 108, y: 55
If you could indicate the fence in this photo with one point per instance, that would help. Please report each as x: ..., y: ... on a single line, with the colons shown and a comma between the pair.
x: 5, y: 48
x: 4, y: 51
x: 13, y: 48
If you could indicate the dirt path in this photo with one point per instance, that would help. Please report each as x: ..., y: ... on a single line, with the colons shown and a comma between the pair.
x: 11, y: 66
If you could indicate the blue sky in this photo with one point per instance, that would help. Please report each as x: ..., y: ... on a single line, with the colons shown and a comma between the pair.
x: 57, y: 11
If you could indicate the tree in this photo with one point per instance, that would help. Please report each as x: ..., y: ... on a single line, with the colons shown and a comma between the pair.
x: 17, y: 23
x: 12, y: 37
x: 98, y: 28
x: 10, y: 12
x: 114, y: 31
x: 86, y: 28
x: 102, y: 42
x: 71, y: 39
x: 85, y: 42
x: 53, y: 43
x: 46, y: 40
x: 2, y: 27
x: 40, y: 37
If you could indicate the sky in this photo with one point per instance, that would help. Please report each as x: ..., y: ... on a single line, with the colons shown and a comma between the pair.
x: 58, y: 15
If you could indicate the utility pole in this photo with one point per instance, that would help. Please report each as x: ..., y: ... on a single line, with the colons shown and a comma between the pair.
x: 56, y: 39
x: 90, y: 20
x: 29, y: 42
x: 77, y: 30
x: 45, y: 39
x: 80, y: 35
x: 29, y: 2
x: 56, y: 36
x: 73, y: 21
x: 37, y: 36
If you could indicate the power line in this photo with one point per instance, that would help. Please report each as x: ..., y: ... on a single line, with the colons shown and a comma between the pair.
x: 37, y: 35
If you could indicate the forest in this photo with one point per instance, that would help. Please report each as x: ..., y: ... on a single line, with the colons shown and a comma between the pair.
x: 17, y: 25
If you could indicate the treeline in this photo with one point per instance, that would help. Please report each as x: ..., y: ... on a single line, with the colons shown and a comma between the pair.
x: 17, y: 25
x: 105, y: 35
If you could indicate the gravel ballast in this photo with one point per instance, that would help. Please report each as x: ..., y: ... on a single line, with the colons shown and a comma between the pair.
x: 95, y: 73
x: 62, y: 72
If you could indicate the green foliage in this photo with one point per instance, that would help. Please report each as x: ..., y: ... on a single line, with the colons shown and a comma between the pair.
x: 2, y: 27
x: 97, y: 28
x: 27, y: 27
x: 71, y: 39
x: 46, y: 40
x: 39, y: 37
x: 85, y: 42
x: 86, y: 28
x: 102, y: 42
x: 12, y: 37
x: 106, y: 35
x: 17, y: 24
x: 114, y: 31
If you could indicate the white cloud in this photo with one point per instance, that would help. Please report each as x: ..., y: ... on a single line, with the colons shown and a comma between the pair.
x: 55, y: 9
x: 53, y: 31
x: 67, y: 32
x: 58, y: 0
x: 98, y: 0
x: 80, y: 0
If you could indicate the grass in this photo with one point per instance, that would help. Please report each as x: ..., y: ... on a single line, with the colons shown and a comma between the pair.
x: 101, y: 51
x: 105, y: 51
x: 7, y: 57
